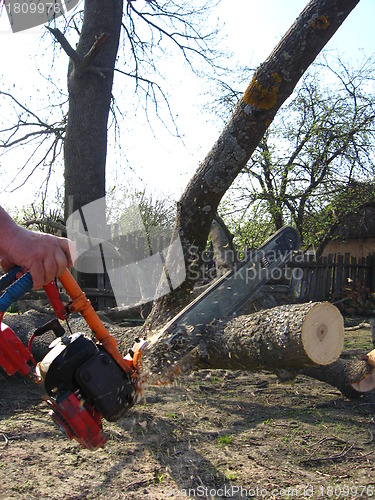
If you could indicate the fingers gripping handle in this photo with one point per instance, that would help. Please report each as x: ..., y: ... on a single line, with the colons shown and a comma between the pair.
x: 15, y: 291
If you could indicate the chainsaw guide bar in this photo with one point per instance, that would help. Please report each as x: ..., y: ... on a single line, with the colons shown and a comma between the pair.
x: 224, y: 297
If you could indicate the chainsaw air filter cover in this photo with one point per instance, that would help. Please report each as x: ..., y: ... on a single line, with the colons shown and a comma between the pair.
x: 76, y: 364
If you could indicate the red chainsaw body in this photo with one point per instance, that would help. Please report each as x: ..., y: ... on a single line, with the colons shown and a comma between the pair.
x: 84, y: 379
x: 14, y: 356
x: 79, y: 421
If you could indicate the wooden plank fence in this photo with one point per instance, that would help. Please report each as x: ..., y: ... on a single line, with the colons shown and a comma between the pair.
x: 133, y: 248
x: 325, y: 278
x: 309, y: 278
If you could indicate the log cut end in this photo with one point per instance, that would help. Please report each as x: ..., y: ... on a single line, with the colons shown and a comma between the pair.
x: 366, y: 383
x: 323, y: 333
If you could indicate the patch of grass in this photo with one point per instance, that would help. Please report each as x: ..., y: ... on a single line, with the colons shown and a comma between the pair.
x: 158, y: 477
x: 172, y: 415
x: 225, y: 440
x: 268, y: 421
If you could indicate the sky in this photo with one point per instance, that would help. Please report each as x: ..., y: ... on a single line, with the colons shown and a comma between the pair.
x: 155, y: 158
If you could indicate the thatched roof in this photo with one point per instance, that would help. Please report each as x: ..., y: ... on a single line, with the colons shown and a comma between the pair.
x: 357, y: 224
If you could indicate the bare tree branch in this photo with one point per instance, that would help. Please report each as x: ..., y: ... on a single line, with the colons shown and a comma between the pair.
x: 68, y: 49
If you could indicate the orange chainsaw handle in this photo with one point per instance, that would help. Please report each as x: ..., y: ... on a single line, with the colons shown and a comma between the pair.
x: 80, y: 303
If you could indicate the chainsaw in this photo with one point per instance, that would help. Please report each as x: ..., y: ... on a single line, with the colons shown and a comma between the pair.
x: 225, y: 296
x: 84, y: 381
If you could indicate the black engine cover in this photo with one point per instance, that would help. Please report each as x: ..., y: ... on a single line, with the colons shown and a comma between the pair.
x: 80, y: 365
x: 106, y: 386
x: 63, y: 360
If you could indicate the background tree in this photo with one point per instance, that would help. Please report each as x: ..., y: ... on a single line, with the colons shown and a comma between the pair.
x: 320, y: 142
x: 79, y: 124
x: 353, y: 198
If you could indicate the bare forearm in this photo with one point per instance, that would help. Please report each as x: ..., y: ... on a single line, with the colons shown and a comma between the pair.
x: 8, y: 231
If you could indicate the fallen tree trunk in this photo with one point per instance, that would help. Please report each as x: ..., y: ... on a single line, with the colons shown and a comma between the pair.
x: 290, y: 336
x: 285, y: 337
x: 289, y: 340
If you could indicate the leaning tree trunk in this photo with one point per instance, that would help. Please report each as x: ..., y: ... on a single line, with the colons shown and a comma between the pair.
x: 271, y: 85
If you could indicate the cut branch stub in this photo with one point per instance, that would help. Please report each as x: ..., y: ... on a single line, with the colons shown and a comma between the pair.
x: 65, y: 45
x: 367, y: 384
x: 366, y: 378
x: 82, y: 64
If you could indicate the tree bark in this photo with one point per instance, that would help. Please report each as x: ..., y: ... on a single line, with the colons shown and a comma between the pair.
x: 224, y: 252
x: 291, y: 340
x: 271, y: 85
x: 288, y: 338
x: 90, y: 78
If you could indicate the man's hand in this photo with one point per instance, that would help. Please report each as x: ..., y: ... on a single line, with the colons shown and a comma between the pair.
x: 44, y: 255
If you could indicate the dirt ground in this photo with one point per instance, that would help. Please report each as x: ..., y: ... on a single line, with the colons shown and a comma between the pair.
x: 213, y: 435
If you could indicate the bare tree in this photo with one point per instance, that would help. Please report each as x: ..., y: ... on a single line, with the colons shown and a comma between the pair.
x: 321, y: 142
x: 37, y: 132
x: 145, y: 34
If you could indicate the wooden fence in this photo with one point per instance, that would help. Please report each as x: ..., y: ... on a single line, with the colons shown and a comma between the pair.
x: 326, y: 278
x: 309, y: 278
x: 133, y: 248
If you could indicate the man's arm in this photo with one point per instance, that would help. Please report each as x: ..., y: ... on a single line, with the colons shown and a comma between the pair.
x: 44, y: 255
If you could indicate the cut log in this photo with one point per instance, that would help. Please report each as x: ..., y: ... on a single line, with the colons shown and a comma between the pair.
x: 367, y: 384
x: 288, y: 337
x: 288, y: 340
